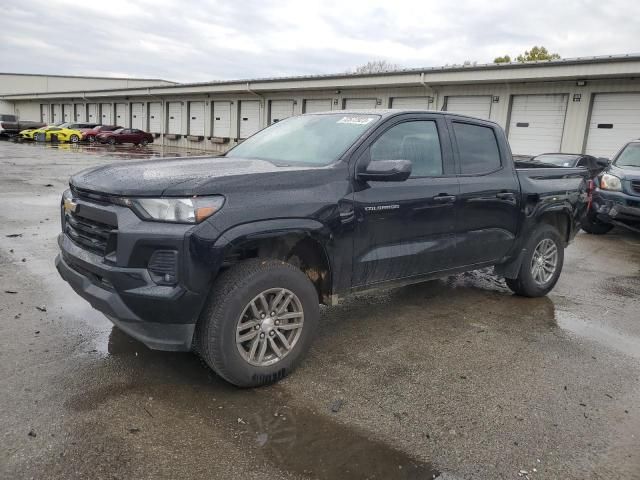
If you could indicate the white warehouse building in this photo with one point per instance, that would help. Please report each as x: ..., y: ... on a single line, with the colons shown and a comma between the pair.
x: 577, y: 105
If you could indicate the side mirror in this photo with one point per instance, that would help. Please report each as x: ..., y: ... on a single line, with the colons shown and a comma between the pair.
x: 602, y: 162
x: 386, y: 171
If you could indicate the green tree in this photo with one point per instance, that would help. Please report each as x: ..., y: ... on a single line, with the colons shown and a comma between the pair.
x: 377, y: 66
x: 504, y: 59
x: 537, y: 53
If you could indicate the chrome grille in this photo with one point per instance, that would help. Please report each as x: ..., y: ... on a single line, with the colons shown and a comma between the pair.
x: 635, y: 186
x: 91, y: 235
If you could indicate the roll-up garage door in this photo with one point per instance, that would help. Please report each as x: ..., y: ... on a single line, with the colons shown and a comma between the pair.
x: 312, y: 106
x: 81, y: 112
x: 57, y: 113
x: 155, y: 117
x: 92, y: 108
x: 196, y: 118
x: 121, y: 115
x: 221, y: 119
x: 105, y: 114
x: 44, y: 113
x: 615, y: 119
x: 249, y: 117
x: 174, y: 111
x: 410, y: 103
x: 536, y: 123
x: 67, y: 112
x: 478, y: 106
x: 137, y: 116
x: 280, y: 109
x: 359, y: 103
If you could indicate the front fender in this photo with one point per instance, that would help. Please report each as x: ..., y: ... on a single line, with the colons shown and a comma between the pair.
x: 210, y: 245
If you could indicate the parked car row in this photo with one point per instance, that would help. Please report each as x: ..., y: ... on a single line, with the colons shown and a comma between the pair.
x: 90, y: 132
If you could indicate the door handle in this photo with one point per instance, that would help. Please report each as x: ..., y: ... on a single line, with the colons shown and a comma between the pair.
x: 444, y: 198
x: 505, y: 196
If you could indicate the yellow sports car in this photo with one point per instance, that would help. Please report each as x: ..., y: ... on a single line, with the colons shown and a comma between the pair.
x: 63, y: 134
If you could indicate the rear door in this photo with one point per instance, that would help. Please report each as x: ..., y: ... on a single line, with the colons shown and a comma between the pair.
x: 406, y: 229
x: 487, y: 208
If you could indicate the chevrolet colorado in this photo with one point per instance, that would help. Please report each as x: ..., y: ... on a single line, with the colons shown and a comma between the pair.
x: 231, y: 256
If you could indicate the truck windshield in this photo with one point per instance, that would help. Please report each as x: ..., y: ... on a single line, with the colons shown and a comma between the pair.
x: 629, y: 157
x: 314, y: 140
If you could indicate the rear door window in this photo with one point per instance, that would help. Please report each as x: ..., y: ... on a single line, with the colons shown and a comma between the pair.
x: 477, y: 148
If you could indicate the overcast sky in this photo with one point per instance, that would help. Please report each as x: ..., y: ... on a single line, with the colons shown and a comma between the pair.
x: 197, y: 40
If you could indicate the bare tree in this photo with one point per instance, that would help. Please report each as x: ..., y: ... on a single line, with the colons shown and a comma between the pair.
x: 377, y: 66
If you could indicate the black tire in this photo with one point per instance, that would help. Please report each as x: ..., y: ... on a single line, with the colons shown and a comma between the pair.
x: 145, y: 142
x: 592, y: 225
x: 230, y: 297
x: 74, y: 138
x: 111, y: 141
x: 91, y: 138
x: 525, y: 285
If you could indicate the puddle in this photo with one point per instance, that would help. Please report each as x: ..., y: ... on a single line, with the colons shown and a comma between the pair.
x: 262, y: 422
x: 599, y: 333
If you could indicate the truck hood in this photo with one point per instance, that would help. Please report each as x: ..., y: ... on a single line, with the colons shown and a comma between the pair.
x: 180, y: 176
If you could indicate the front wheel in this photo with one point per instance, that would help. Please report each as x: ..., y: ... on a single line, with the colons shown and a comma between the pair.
x: 91, y: 138
x: 541, y: 264
x: 74, y: 138
x: 259, y: 322
x: 145, y: 142
x: 112, y: 141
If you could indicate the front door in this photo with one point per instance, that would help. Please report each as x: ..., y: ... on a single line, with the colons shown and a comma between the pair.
x: 406, y: 229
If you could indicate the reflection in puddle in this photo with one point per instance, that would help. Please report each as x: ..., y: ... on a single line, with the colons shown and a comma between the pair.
x: 261, y: 421
x: 602, y: 334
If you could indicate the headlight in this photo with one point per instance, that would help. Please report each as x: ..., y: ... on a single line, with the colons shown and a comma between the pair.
x: 177, y: 210
x: 610, y: 182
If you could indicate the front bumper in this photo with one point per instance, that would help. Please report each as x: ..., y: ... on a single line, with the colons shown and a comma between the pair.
x: 617, y: 208
x: 162, y: 316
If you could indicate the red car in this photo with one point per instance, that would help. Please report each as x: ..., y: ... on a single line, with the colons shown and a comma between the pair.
x: 91, y: 133
x: 125, y: 135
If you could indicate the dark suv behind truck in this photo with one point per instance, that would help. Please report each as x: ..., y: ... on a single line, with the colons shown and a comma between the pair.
x: 616, y: 200
x: 231, y: 256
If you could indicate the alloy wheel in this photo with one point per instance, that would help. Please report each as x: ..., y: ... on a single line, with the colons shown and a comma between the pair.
x: 544, y: 261
x: 269, y: 327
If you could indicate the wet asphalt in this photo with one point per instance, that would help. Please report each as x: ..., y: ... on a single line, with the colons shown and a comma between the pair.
x: 450, y: 379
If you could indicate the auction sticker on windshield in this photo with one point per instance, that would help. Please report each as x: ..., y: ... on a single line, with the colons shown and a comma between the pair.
x: 356, y: 120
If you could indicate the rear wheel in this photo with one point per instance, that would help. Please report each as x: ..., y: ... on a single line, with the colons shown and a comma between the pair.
x: 259, y: 322
x: 112, y: 141
x: 591, y: 224
x: 541, y: 265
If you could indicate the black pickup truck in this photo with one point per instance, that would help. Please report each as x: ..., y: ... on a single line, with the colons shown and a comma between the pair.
x: 11, y: 127
x: 231, y: 256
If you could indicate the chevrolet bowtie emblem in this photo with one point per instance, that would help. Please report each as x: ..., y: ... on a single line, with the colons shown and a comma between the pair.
x: 70, y: 206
